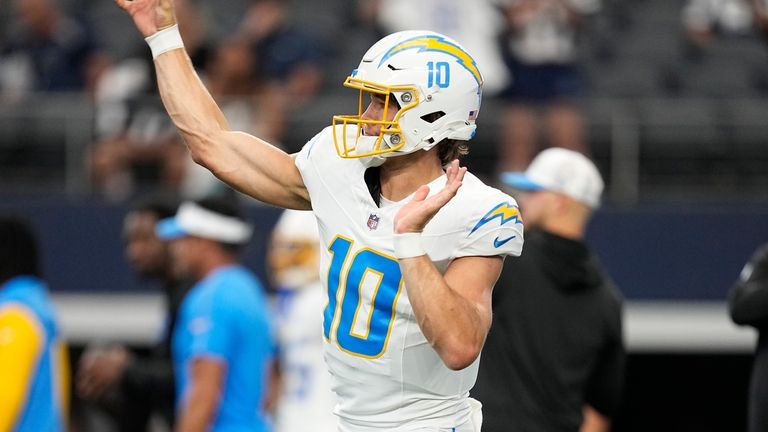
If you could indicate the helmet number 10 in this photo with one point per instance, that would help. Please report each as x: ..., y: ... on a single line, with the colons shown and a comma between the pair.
x: 438, y: 73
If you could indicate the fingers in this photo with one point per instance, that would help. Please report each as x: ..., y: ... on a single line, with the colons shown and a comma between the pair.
x: 450, y: 172
x: 460, y: 175
x: 421, y: 193
x: 123, y: 4
x: 455, y: 173
x: 455, y: 183
x: 90, y: 384
x: 455, y: 176
x: 84, y: 382
x: 91, y: 381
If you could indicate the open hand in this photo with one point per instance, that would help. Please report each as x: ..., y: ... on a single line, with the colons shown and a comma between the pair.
x: 415, y: 215
x: 150, y: 16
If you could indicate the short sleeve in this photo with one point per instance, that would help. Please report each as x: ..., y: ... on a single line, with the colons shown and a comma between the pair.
x: 22, y: 342
x: 211, y: 327
x: 304, y: 157
x: 497, y: 229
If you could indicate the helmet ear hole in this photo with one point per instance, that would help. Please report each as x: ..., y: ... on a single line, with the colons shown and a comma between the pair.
x: 433, y: 117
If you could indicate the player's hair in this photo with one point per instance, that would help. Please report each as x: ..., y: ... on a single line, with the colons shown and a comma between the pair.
x: 451, y: 149
x: 448, y: 149
x: 226, y: 205
x: 18, y: 248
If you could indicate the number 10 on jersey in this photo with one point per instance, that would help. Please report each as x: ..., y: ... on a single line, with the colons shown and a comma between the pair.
x: 369, y: 284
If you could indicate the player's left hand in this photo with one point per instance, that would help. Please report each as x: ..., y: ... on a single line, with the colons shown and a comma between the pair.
x: 415, y: 215
x: 100, y: 370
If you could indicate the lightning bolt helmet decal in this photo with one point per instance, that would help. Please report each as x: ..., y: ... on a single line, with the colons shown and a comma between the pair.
x: 437, y: 44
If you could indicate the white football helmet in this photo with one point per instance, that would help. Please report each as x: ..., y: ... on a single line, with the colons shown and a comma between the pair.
x: 436, y: 84
x: 293, y: 258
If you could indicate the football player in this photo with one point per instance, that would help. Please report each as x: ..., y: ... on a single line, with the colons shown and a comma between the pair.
x: 293, y: 260
x: 411, y: 243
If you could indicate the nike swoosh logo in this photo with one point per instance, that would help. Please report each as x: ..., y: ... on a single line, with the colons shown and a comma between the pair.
x: 499, y: 243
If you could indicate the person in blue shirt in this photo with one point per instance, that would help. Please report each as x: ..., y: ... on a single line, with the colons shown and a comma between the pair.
x: 222, y: 345
x: 34, y: 365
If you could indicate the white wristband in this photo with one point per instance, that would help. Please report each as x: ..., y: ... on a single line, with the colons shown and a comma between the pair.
x: 408, y: 245
x: 165, y: 40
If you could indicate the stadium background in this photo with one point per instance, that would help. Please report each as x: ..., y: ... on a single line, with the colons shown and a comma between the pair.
x: 682, y: 146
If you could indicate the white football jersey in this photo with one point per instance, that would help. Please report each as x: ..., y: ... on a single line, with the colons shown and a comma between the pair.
x: 306, y: 397
x: 384, y: 372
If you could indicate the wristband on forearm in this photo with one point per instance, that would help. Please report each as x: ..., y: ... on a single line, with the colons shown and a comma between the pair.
x: 408, y: 245
x: 165, y: 40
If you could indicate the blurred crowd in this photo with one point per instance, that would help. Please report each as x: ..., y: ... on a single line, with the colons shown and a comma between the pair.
x: 276, y: 65
x: 272, y: 64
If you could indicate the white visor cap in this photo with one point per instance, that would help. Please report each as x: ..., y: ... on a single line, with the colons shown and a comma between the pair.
x: 194, y: 220
x: 560, y: 170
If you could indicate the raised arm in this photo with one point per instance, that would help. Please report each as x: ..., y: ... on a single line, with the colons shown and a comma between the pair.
x: 245, y: 162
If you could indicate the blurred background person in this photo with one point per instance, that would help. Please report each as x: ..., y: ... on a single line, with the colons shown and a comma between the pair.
x: 704, y: 19
x: 231, y: 76
x: 130, y: 386
x: 288, y: 64
x: 48, y: 51
x: 137, y: 148
x: 145, y: 153
x: 34, y: 364
x: 222, y: 345
x: 541, y: 51
x: 305, y: 401
x: 554, y: 359
x: 759, y: 10
x: 748, y: 304
x: 722, y: 55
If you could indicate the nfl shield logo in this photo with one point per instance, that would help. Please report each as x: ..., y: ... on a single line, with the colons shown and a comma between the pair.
x: 373, y: 221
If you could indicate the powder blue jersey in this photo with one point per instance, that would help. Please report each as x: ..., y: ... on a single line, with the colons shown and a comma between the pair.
x: 46, y: 393
x: 225, y: 318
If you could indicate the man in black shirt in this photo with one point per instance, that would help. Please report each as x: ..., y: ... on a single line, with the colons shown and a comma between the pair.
x: 554, y: 358
x: 749, y: 306
x: 129, y: 386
